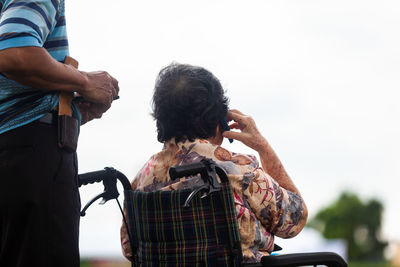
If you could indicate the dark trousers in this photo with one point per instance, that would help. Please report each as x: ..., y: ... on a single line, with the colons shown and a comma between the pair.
x: 39, y: 199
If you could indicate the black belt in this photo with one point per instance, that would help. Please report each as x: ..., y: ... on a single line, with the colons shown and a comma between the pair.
x: 49, y: 118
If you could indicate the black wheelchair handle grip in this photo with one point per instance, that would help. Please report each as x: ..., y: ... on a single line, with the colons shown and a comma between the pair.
x: 92, y: 177
x: 186, y: 170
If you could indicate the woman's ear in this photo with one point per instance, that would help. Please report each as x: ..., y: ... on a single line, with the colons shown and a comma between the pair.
x: 218, y: 138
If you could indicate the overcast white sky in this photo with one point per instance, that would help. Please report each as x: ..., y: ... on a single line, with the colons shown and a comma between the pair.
x: 321, y: 79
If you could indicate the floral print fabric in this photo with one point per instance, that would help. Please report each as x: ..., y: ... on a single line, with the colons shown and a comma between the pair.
x: 264, y: 209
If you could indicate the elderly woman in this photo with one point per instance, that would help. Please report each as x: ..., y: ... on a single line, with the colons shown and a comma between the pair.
x: 190, y: 109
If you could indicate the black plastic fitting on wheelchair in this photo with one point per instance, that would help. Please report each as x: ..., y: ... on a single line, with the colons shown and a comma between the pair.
x: 109, y: 176
x: 187, y: 170
x: 208, y: 169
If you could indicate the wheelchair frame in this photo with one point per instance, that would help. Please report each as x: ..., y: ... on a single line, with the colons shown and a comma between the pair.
x: 208, y: 170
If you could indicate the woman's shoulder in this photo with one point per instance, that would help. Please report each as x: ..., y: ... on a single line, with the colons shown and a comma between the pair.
x: 218, y: 153
x: 241, y: 159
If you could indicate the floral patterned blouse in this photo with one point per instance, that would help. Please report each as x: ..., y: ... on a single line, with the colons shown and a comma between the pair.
x: 264, y: 209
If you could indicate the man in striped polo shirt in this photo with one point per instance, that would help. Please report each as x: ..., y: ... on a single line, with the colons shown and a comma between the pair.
x: 39, y: 198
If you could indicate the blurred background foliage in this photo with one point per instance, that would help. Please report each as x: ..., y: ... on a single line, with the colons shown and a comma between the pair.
x: 357, y: 222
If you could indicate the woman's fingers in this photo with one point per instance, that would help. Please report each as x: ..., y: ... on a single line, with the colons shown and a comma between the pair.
x: 243, y: 122
x: 233, y: 135
x: 235, y: 125
x: 236, y: 116
x: 248, y: 134
x: 237, y: 111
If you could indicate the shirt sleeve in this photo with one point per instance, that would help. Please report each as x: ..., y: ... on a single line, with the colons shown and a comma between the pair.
x: 27, y: 23
x: 278, y: 209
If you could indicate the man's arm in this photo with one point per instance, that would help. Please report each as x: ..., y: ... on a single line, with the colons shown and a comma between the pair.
x: 34, y: 67
x: 251, y: 137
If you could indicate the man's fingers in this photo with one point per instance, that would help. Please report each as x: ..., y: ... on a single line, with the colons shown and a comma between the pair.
x: 97, y: 115
x: 115, y: 86
x: 84, y: 104
x: 115, y: 83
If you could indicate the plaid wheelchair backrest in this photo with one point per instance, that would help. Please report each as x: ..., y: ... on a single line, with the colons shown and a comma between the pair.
x: 165, y: 233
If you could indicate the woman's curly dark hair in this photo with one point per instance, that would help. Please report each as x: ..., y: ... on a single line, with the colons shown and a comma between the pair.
x: 188, y: 102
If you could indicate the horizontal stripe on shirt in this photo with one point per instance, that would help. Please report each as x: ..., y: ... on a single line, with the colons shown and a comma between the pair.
x: 56, y: 43
x: 34, y: 7
x: 10, y: 35
x: 24, y: 22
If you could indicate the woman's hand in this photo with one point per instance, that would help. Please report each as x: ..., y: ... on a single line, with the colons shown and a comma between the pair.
x: 252, y: 138
x: 249, y: 134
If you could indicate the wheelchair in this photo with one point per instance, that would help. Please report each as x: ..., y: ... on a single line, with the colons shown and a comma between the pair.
x: 194, y: 227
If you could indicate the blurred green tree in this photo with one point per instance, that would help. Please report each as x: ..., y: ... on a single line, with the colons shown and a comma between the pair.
x: 356, y: 222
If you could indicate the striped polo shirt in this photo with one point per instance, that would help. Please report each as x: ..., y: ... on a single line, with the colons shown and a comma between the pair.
x: 39, y: 23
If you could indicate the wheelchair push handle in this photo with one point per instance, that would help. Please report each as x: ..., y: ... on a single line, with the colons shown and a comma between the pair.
x: 105, y: 175
x: 93, y: 177
x: 206, y: 167
x: 109, y: 177
x: 186, y: 170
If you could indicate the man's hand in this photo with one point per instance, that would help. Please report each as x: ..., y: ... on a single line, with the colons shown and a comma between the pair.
x: 100, y: 88
x: 34, y: 67
x: 90, y: 111
x: 249, y: 134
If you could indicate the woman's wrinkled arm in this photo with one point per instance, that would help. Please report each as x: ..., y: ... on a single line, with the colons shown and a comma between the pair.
x: 251, y: 137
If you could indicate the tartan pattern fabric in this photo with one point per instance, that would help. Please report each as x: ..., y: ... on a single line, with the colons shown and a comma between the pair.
x: 165, y: 233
